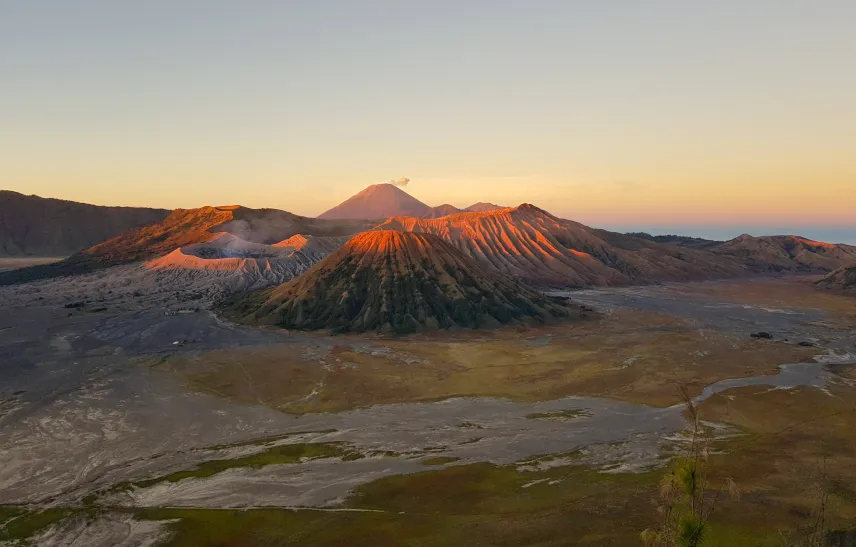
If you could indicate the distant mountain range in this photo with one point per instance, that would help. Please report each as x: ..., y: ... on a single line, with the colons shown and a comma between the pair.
x: 773, y: 254
x: 770, y: 254
x: 190, y: 228
x: 381, y: 201
x: 245, y: 249
x: 35, y: 226
x: 684, y: 241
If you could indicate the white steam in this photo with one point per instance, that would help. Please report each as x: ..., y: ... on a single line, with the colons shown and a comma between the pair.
x: 400, y: 182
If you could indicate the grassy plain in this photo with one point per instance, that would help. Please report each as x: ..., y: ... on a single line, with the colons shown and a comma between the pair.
x: 793, y: 445
x: 794, y: 448
x: 628, y: 355
x: 787, y: 292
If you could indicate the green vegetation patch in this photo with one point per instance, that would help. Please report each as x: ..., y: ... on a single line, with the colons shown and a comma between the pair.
x: 283, y: 527
x: 452, y: 506
x: 277, y: 455
x: 7, y: 512
x: 18, y: 524
x: 267, y: 440
x: 458, y: 505
x: 560, y: 415
x: 441, y: 460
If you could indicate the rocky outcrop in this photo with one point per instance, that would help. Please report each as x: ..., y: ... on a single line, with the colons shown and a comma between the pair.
x: 842, y: 279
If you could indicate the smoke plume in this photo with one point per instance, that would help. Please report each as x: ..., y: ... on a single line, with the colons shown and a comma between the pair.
x: 400, y: 182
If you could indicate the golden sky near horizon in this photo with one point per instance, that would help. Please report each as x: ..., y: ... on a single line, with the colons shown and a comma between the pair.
x: 615, y: 114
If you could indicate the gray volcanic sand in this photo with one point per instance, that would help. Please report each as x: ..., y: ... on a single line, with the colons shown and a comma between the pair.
x: 79, y: 413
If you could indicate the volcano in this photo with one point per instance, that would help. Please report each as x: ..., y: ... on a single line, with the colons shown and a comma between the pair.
x: 378, y: 201
x: 398, y: 282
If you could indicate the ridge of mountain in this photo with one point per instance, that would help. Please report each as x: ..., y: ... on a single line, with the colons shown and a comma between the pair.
x: 483, y: 207
x: 186, y: 227
x: 447, y: 209
x: 440, y: 211
x: 524, y: 242
x: 674, y: 239
x: 529, y: 243
x: 787, y: 253
x: 37, y: 226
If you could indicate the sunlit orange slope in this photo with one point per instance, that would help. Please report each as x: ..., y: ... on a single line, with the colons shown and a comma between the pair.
x: 530, y: 243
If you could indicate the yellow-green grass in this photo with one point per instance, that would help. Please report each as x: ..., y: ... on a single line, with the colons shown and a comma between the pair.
x: 786, y: 436
x: 18, y: 524
x: 627, y: 356
x: 785, y: 292
x: 559, y: 415
x: 440, y: 460
x: 276, y: 455
x: 479, y: 504
x: 467, y: 505
x: 795, y: 444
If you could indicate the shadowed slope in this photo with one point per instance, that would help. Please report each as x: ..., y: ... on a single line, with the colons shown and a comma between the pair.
x: 35, y: 226
x: 398, y: 282
x: 683, y: 241
x: 441, y: 211
x: 532, y: 244
x: 376, y: 202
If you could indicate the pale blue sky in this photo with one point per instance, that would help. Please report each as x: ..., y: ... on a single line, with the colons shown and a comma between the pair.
x: 611, y: 113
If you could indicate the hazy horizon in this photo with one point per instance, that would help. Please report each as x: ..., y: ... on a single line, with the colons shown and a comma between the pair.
x: 714, y: 117
x: 826, y: 233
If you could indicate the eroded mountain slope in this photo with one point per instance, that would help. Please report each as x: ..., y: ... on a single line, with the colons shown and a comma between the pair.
x: 398, y: 282
x: 530, y: 243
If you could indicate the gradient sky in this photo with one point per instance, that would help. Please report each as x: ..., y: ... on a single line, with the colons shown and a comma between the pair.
x: 693, y: 115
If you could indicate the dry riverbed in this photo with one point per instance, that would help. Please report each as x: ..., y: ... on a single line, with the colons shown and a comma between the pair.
x: 139, y: 426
